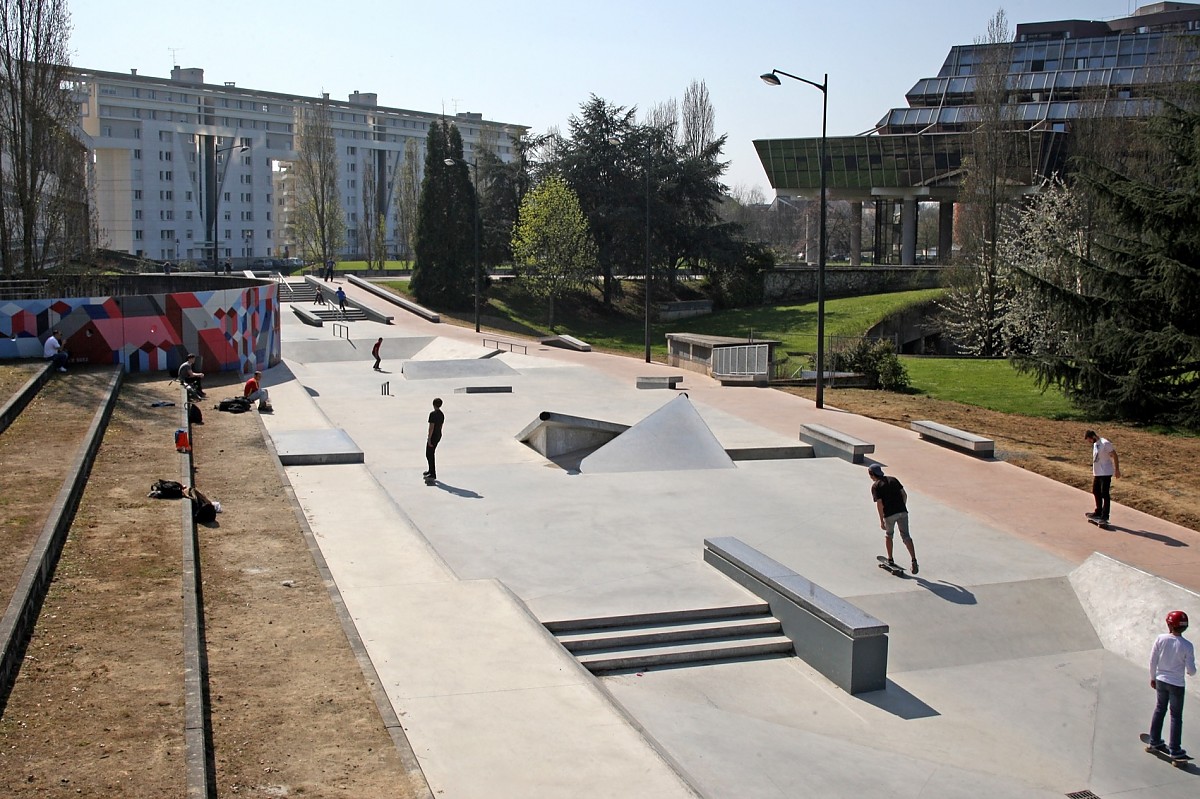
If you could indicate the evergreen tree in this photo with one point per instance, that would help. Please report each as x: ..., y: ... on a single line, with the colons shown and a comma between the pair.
x: 445, y: 244
x: 1128, y: 309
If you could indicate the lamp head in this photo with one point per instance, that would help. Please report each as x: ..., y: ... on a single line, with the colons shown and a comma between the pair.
x: 449, y: 162
x: 770, y: 78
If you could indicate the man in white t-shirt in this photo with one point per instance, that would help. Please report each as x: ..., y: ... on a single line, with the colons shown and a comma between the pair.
x: 53, y: 351
x: 1105, y: 466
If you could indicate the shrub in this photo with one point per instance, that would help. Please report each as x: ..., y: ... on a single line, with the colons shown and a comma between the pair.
x: 874, y: 358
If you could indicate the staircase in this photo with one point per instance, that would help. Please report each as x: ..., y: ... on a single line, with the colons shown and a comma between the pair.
x: 303, y: 292
x: 643, y: 640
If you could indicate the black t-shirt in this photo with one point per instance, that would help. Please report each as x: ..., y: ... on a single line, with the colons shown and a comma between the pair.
x: 891, y: 491
x: 436, y: 418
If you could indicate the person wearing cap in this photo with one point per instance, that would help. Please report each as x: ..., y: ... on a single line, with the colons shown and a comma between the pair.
x: 254, y: 392
x: 1171, y: 656
x: 1105, y: 466
x: 891, y: 500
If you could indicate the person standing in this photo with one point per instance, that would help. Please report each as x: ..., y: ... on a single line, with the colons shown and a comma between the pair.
x: 891, y: 500
x: 1105, y: 466
x: 53, y: 351
x: 375, y: 352
x: 328, y: 269
x: 1171, y: 656
x: 436, y: 420
x: 341, y: 298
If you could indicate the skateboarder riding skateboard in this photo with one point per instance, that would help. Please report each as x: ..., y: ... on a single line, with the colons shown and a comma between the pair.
x: 891, y: 501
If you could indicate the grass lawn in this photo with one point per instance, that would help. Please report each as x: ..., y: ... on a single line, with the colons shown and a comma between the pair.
x: 992, y: 384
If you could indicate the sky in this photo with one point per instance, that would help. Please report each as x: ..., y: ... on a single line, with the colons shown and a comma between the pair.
x: 536, y: 62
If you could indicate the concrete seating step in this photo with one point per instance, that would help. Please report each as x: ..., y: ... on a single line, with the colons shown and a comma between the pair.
x: 721, y: 630
x: 659, y: 617
x: 706, y: 652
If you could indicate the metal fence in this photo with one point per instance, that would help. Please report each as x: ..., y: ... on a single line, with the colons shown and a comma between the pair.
x: 742, y: 360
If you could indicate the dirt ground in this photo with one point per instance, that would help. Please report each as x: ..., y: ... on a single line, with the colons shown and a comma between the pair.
x: 1158, y: 472
x: 97, y: 709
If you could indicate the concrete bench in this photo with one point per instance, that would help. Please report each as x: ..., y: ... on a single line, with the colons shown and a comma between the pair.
x: 484, y: 390
x: 827, y: 442
x: 838, y: 639
x: 961, y: 439
x: 671, y: 382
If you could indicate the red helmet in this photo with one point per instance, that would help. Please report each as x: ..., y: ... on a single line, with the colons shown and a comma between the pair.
x: 1177, y: 618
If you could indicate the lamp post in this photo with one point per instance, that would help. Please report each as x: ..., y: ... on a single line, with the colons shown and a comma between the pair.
x: 772, y: 79
x: 475, y: 170
x: 216, y: 204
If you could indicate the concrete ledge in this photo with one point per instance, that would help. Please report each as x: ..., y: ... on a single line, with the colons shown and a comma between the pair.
x: 570, y: 342
x: 838, y: 639
x: 316, y: 447
x: 671, y: 382
x: 770, y: 453
x: 18, y: 401
x: 484, y: 390
x: 21, y: 615
x: 394, y: 299
x: 960, y: 439
x: 828, y: 442
x: 554, y: 434
x: 307, y: 316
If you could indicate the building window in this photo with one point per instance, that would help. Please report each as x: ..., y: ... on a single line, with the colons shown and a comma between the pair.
x: 246, y: 141
x: 188, y: 214
x: 166, y: 195
x: 164, y: 135
x: 166, y: 175
x: 137, y: 213
x: 164, y: 155
x: 137, y: 155
x: 187, y: 196
x: 137, y: 194
x: 351, y: 151
x: 226, y: 197
x: 137, y: 235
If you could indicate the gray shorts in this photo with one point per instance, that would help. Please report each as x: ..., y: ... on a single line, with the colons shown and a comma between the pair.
x: 897, y: 520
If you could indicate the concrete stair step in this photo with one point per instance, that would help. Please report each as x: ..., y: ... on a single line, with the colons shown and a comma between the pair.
x: 695, y: 653
x: 721, y: 630
x: 638, y: 620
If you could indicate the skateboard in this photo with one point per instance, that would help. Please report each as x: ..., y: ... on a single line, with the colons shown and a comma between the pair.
x: 429, y: 481
x: 1177, y: 762
x: 894, y: 568
x: 1101, y: 523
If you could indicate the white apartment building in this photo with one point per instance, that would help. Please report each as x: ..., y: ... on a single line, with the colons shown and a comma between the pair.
x: 172, y: 156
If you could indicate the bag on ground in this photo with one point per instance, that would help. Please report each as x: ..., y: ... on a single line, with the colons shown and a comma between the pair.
x: 166, y: 489
x: 195, y: 416
x: 203, y: 510
x: 234, y: 405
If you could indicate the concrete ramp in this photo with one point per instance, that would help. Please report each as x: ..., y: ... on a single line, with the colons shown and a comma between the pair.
x: 316, y: 447
x: 556, y: 434
x: 945, y: 627
x: 341, y: 349
x: 440, y: 370
x: 673, y: 438
x: 1128, y: 607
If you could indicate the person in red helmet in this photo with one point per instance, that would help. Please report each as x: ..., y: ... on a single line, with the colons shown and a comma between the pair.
x: 1171, y: 656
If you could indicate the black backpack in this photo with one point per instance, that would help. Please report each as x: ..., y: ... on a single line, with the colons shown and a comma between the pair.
x: 234, y: 405
x: 166, y: 489
x: 203, y: 511
x: 194, y: 414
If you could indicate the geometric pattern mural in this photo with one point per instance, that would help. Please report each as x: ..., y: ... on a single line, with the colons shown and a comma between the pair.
x: 228, y: 330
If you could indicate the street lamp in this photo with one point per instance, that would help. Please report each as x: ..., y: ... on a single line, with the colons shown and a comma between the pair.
x: 772, y: 79
x: 217, y: 184
x: 475, y: 169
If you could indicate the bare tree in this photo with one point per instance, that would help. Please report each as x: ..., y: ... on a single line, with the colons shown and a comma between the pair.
x: 373, y: 229
x: 320, y: 223
x: 408, y: 197
x: 699, y: 120
x: 42, y: 176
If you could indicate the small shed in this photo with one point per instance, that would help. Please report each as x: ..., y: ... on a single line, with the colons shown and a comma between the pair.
x: 728, y: 359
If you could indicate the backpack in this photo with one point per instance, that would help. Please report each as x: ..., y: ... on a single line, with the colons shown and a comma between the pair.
x: 203, y: 510
x: 166, y: 489
x: 195, y: 416
x: 234, y: 405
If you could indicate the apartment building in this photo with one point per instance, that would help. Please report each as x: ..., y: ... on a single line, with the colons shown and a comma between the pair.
x: 180, y: 165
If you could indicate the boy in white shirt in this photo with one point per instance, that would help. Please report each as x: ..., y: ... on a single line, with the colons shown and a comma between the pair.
x: 1170, y: 657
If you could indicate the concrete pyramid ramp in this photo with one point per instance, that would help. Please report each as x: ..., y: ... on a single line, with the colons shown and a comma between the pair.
x: 673, y: 438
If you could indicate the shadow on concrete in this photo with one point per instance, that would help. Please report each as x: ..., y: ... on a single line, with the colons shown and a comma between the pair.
x: 898, y: 702
x: 947, y: 591
x: 1162, y: 538
x: 458, y: 492
x: 312, y: 392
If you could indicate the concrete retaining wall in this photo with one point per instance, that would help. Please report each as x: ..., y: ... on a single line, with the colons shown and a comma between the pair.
x: 799, y: 283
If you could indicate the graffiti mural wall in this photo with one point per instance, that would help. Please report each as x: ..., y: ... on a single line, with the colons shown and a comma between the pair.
x: 235, y: 329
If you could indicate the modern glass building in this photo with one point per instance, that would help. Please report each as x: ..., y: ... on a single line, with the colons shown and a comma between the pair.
x: 1058, y: 73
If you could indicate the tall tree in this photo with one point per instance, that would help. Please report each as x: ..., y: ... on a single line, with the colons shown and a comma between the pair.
x: 408, y: 197
x: 319, y: 224
x: 443, y: 275
x: 552, y: 243
x: 699, y: 121
x: 44, y: 196
x: 503, y: 187
x: 372, y: 231
x: 975, y: 300
x: 1127, y: 303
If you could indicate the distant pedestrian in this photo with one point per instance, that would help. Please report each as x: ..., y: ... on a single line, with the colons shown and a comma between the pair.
x: 375, y: 352
x: 54, y: 352
x: 1171, y: 656
x: 167, y: 268
x: 891, y: 500
x: 328, y: 269
x: 1105, y: 466
x: 228, y: 267
x: 319, y: 297
x: 436, y: 420
x: 341, y: 298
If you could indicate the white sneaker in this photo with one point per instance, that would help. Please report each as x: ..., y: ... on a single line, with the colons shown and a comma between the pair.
x: 62, y: 368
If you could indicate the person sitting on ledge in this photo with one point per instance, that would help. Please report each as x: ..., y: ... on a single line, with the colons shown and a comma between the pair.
x: 189, y: 376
